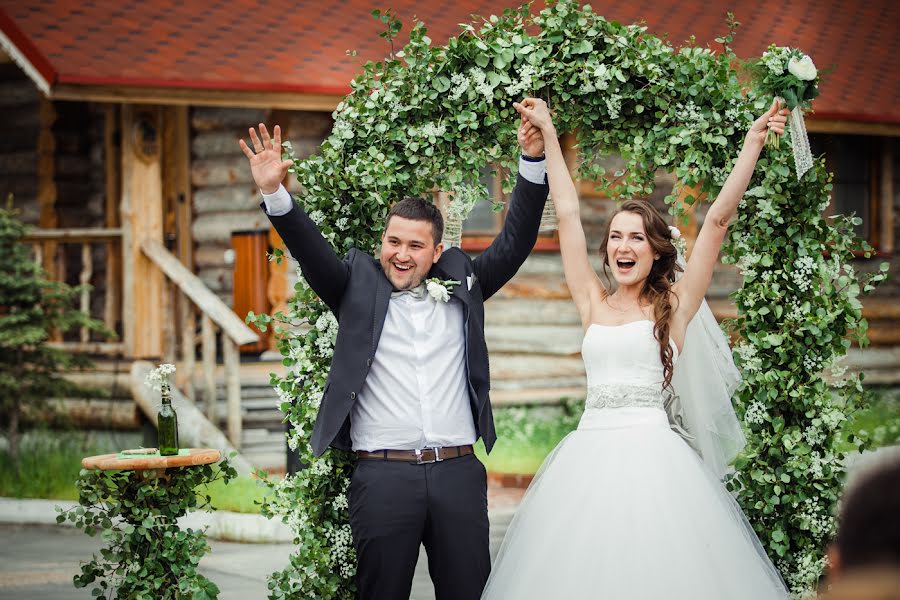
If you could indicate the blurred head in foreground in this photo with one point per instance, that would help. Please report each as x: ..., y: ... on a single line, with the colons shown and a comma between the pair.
x: 867, y: 547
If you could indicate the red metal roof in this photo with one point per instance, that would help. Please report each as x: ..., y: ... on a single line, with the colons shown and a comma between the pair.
x: 300, y: 47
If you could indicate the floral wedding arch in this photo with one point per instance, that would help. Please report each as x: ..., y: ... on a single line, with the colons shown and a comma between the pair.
x: 431, y: 117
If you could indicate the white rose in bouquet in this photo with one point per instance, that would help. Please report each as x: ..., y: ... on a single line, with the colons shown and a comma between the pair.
x: 802, y: 68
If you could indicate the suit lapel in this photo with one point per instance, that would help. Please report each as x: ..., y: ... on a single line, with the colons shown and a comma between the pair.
x: 382, y: 298
x: 442, y: 269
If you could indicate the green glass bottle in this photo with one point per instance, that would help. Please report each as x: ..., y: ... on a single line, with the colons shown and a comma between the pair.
x: 167, y: 426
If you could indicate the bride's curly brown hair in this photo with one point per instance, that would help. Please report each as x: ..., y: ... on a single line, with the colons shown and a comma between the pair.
x: 658, y: 285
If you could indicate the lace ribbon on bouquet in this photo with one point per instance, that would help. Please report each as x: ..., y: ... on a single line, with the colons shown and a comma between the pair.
x: 803, y: 159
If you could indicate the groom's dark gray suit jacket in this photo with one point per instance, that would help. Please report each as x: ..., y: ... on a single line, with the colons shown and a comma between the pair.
x: 357, y: 292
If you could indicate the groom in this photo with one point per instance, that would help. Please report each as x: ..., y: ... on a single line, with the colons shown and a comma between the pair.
x: 409, y: 380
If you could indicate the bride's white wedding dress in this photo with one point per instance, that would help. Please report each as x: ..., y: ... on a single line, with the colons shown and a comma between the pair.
x: 623, y: 508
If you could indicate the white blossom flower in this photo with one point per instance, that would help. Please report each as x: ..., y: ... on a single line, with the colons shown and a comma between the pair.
x: 613, y: 105
x: 802, y: 68
x: 812, y: 364
x: 688, y: 113
x: 833, y: 418
x: 774, y: 60
x: 803, y: 272
x: 317, y: 216
x: 158, y: 378
x: 460, y: 85
x: 431, y: 130
x: 813, y: 435
x: 602, y: 76
x: 481, y: 84
x: 756, y: 413
x: 525, y: 82
x: 320, y: 467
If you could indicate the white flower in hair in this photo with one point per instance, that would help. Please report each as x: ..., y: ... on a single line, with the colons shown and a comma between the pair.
x: 678, y: 241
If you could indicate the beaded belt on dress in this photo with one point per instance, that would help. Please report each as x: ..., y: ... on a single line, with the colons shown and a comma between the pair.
x: 622, y: 395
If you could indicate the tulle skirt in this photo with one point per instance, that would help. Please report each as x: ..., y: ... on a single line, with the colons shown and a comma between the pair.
x: 624, y: 509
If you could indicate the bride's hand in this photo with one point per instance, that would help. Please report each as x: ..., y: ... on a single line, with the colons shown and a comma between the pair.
x: 773, y: 119
x: 535, y: 111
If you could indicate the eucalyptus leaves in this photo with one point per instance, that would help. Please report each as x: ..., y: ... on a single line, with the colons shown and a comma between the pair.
x: 147, y: 556
x: 621, y: 91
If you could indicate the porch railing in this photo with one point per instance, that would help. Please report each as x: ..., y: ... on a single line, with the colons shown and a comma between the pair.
x: 187, y: 302
x: 48, y: 249
x: 194, y: 300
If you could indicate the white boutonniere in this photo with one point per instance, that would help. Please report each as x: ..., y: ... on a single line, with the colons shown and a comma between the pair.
x: 439, y: 289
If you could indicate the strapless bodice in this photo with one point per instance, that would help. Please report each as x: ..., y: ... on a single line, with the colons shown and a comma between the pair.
x: 623, y: 366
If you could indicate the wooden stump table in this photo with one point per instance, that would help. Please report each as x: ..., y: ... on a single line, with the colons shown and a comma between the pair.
x: 114, y: 462
x: 135, y: 501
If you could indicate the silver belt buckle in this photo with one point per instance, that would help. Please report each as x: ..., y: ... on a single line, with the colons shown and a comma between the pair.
x: 437, y: 456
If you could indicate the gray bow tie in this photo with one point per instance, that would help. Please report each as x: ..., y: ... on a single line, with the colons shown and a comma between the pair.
x: 417, y: 292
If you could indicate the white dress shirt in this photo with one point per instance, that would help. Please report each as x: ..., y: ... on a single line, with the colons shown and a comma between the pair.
x: 416, y: 392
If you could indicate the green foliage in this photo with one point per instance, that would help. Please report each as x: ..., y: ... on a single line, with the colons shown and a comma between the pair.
x: 526, y: 435
x: 431, y: 117
x: 799, y: 309
x: 147, y: 555
x: 48, y: 464
x: 31, y: 307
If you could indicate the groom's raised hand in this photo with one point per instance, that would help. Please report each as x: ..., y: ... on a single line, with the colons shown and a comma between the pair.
x: 266, y: 165
x: 530, y: 138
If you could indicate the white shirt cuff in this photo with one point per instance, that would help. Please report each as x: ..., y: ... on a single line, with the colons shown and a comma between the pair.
x: 533, y: 171
x: 278, y: 203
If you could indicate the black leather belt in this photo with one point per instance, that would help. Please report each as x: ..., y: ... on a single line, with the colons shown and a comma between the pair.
x: 419, y: 457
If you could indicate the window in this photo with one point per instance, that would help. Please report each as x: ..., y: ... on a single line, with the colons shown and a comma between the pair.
x: 863, y: 184
x: 484, y: 223
x: 484, y: 220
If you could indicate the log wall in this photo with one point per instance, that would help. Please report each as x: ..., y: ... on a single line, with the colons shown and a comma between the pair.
x: 225, y: 198
x: 20, y: 124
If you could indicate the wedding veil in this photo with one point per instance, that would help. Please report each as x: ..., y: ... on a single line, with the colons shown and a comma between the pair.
x: 704, y: 380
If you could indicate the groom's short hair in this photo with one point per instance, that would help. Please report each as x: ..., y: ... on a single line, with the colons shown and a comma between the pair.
x: 417, y: 209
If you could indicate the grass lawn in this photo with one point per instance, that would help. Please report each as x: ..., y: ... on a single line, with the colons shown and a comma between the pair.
x: 50, y: 462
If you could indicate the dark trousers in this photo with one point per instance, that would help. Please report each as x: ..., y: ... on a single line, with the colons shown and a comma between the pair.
x: 396, y: 506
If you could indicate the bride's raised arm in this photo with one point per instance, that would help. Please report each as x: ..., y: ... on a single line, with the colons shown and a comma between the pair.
x: 692, y: 286
x: 582, y: 280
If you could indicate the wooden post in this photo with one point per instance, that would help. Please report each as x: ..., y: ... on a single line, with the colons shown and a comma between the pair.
x: 208, y: 339
x: 46, y: 151
x: 170, y: 314
x: 886, y: 204
x: 232, y: 359
x: 141, y: 219
x: 112, y: 308
x: 188, y: 345
x: 87, y: 271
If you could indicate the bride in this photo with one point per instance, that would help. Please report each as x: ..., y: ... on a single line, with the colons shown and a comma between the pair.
x: 624, y: 508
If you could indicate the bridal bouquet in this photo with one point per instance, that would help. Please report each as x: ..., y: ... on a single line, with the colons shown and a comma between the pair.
x: 791, y: 75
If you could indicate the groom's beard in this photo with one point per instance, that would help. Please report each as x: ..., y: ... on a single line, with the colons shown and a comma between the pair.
x: 404, y: 280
